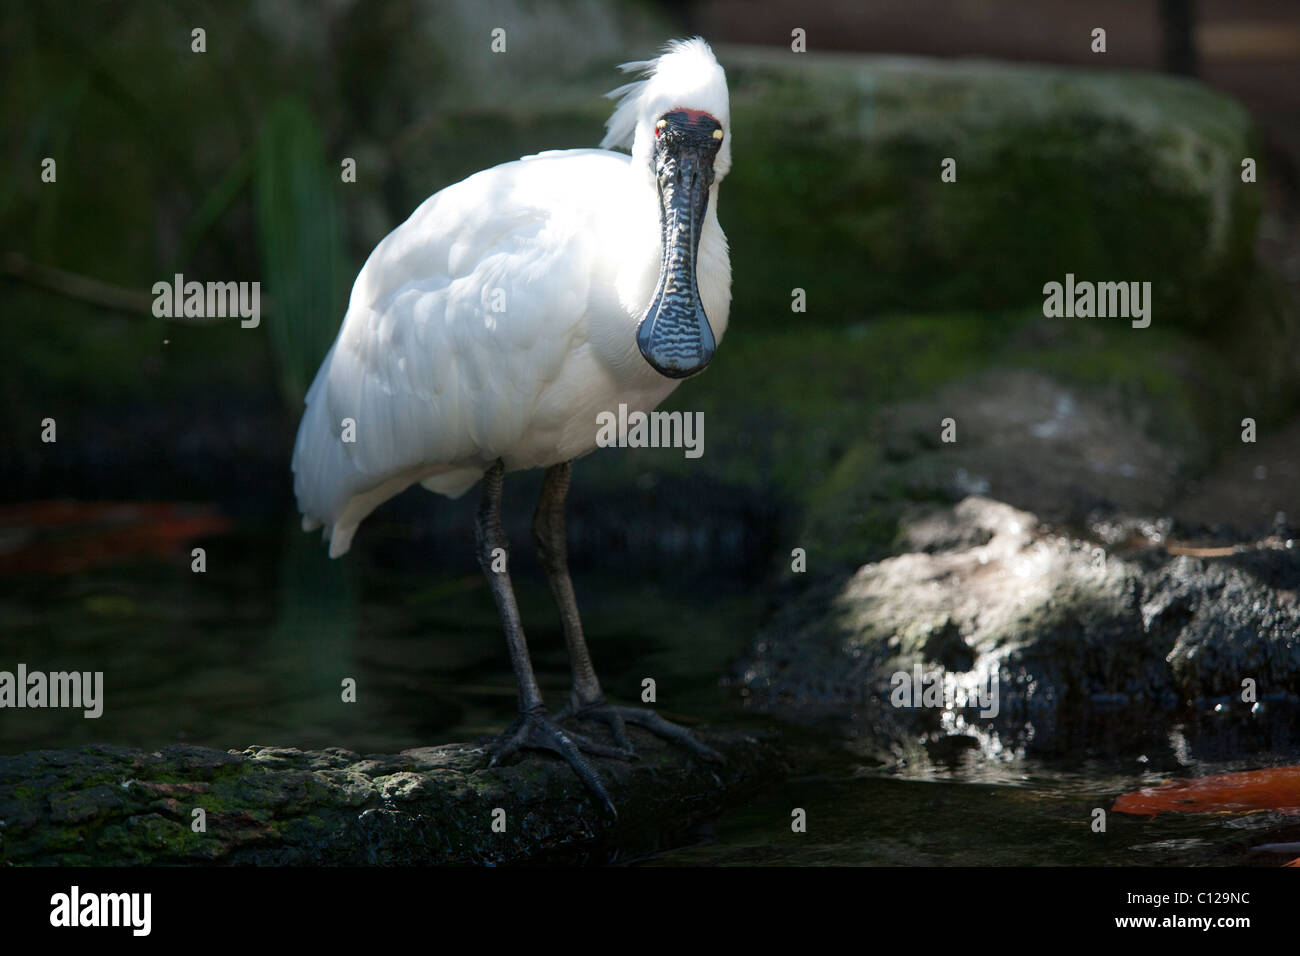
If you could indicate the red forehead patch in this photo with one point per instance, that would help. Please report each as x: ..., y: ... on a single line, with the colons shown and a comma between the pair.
x: 695, y: 116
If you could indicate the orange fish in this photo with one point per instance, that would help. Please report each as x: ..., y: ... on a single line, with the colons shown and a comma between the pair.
x: 64, y: 537
x: 1277, y: 788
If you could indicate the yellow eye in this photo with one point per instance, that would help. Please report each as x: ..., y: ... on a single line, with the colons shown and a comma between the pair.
x: 661, y: 124
x: 717, y: 134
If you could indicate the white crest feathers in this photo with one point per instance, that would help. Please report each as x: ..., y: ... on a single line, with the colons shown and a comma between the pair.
x: 686, y: 75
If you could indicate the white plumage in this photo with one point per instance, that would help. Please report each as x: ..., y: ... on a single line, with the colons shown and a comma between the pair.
x: 499, y: 320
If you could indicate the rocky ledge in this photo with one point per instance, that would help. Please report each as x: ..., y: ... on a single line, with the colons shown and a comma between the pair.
x: 435, y: 805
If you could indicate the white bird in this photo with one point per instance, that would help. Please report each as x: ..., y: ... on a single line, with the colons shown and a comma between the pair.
x: 487, y: 333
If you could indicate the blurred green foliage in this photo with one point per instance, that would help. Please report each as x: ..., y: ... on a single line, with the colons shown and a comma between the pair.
x: 224, y: 165
x: 298, y: 238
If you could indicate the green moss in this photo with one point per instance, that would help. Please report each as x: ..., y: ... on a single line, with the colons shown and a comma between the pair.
x: 1108, y: 176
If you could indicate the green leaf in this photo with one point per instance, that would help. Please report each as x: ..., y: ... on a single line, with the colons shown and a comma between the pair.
x: 299, y: 242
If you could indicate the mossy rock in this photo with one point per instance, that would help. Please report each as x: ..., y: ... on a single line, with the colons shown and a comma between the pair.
x: 1104, y: 174
x: 104, y: 805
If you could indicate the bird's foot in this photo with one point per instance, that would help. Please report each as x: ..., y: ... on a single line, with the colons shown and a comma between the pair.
x: 616, y: 717
x: 539, y: 731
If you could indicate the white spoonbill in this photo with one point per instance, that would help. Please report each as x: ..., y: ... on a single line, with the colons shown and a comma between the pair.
x: 487, y: 333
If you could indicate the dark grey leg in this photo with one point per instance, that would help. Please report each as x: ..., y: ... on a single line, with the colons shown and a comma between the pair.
x: 552, y: 547
x: 586, y: 700
x: 533, y: 727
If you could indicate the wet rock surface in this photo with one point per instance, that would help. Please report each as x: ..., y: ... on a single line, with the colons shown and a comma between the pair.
x: 1082, y: 639
x: 270, y: 806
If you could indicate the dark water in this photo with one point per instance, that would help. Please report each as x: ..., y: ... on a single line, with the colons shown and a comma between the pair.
x: 1020, y: 813
x: 254, y: 650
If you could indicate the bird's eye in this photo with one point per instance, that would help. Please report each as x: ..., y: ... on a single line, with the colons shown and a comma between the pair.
x: 717, y: 134
x: 659, y: 126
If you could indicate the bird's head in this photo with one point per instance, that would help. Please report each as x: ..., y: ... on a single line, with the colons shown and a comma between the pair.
x: 677, y: 123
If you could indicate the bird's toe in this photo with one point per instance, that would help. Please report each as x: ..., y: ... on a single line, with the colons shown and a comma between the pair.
x: 617, y: 718
x: 538, y: 731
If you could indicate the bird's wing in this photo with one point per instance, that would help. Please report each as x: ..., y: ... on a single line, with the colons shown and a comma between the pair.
x: 458, y: 321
